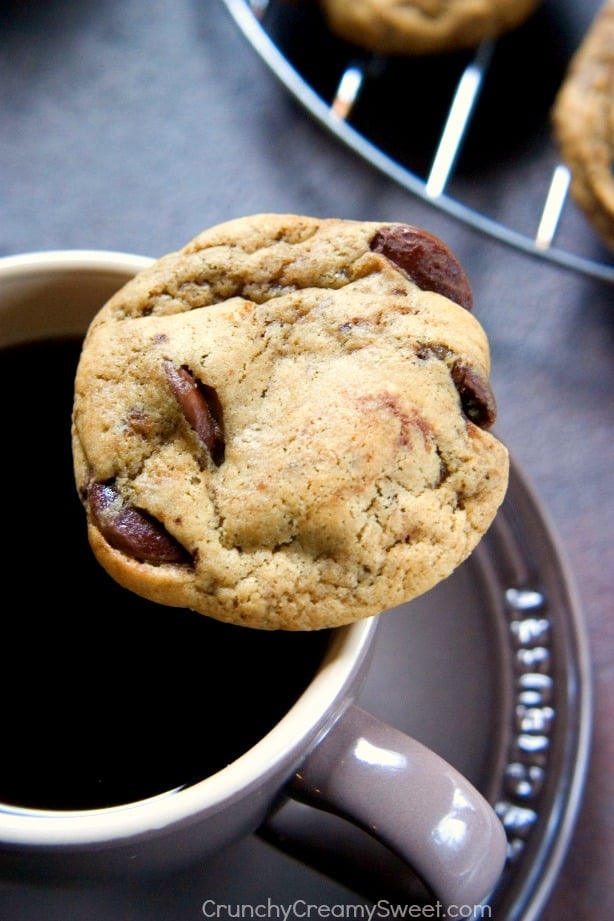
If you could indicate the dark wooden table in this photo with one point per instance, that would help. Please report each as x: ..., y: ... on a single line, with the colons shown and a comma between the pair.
x: 131, y: 126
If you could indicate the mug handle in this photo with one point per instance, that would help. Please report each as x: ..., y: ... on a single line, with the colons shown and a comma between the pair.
x: 406, y: 797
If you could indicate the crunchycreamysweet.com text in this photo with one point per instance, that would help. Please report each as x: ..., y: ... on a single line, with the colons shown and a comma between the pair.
x: 302, y: 910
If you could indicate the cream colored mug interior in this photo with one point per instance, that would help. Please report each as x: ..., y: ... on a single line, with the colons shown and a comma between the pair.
x: 57, y: 293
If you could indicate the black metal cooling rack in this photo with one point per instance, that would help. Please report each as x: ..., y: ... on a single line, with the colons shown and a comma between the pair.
x: 483, y: 120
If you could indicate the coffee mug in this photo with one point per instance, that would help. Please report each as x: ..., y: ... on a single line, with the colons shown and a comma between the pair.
x: 140, y: 738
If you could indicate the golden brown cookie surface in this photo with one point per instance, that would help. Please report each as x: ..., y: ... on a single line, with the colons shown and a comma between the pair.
x: 284, y: 424
x: 583, y: 119
x: 423, y: 26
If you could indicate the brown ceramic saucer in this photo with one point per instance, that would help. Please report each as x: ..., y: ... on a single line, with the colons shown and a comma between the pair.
x: 491, y: 670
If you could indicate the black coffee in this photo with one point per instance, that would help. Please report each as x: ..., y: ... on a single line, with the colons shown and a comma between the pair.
x: 108, y: 698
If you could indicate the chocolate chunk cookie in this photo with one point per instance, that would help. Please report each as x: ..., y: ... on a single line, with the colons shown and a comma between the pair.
x: 583, y: 120
x: 415, y: 27
x: 285, y: 424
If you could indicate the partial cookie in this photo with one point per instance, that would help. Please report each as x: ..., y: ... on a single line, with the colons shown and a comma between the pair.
x: 583, y: 120
x: 283, y: 425
x: 415, y: 27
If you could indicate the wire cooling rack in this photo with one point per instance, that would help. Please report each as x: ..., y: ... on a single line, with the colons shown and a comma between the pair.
x: 357, y: 97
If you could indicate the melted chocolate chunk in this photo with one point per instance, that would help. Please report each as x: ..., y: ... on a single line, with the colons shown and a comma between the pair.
x: 426, y: 260
x: 476, y: 396
x: 131, y: 530
x: 201, y: 407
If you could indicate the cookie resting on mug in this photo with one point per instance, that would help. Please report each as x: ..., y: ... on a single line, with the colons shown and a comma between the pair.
x: 285, y: 425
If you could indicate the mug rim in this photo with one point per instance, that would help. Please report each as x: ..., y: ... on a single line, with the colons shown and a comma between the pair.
x: 68, y: 260
x: 328, y: 694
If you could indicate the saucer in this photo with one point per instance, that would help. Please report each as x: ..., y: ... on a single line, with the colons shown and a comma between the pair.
x: 490, y: 669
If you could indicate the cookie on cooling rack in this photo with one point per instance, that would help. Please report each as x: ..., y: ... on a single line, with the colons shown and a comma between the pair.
x: 284, y: 425
x: 418, y: 27
x: 583, y: 121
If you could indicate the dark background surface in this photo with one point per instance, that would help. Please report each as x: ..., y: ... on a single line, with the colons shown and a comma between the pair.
x: 131, y: 126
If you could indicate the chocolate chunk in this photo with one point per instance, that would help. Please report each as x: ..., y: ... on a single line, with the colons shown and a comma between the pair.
x: 201, y: 407
x: 477, y: 398
x: 131, y: 530
x: 426, y: 260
